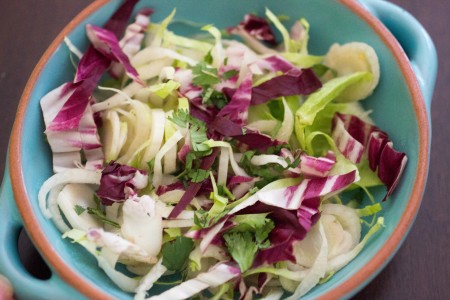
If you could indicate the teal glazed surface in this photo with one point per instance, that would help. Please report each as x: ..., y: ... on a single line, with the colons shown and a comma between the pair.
x: 331, y: 22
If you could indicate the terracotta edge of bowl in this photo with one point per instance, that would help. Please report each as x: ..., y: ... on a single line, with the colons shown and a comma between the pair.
x: 394, y: 241
x: 37, y: 235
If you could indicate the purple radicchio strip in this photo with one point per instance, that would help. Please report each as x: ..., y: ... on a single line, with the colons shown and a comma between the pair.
x: 294, y: 82
x: 66, y: 145
x: 313, y: 167
x: 132, y: 39
x: 390, y: 162
x: 355, y: 137
x: 107, y: 44
x: 253, y: 139
x: 194, y: 187
x: 292, y: 197
x: 162, y: 189
x: 90, y: 69
x: 120, y: 182
x: 274, y: 63
x: 116, y: 24
x: 237, y: 109
x: 350, y: 135
x: 257, y: 27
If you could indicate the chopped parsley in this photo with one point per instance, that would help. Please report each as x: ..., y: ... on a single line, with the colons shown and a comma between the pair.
x: 79, y: 209
x: 206, y: 77
x: 244, y: 240
x: 175, y: 253
x: 197, y: 132
x: 98, y: 213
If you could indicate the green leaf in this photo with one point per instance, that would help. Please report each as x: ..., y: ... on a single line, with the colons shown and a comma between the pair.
x: 198, y: 175
x: 175, y: 254
x: 79, y: 209
x: 242, y: 248
x: 369, y: 210
x: 164, y: 89
x: 229, y: 74
x: 262, y: 233
x: 208, y: 58
x: 98, y: 213
x: 253, y: 221
x: 215, y: 98
x: 203, y: 219
x: 317, y: 101
x: 245, y: 239
x: 204, y: 75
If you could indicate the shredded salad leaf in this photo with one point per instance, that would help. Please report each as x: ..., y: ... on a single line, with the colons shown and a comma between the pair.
x: 261, y: 170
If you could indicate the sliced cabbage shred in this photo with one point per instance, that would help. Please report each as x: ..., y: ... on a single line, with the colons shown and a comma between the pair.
x: 190, y: 173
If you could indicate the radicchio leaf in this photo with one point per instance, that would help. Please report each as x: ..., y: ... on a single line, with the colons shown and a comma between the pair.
x: 66, y: 145
x: 162, y: 189
x: 107, y: 44
x: 237, y: 109
x: 292, y: 197
x: 274, y: 63
x: 257, y: 27
x: 253, y: 139
x: 355, y: 137
x: 294, y: 82
x: 69, y: 104
x: 313, y: 167
x: 132, y: 39
x: 120, y: 182
x: 194, y: 187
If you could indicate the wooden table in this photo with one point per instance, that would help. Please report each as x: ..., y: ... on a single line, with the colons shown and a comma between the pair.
x: 421, y: 267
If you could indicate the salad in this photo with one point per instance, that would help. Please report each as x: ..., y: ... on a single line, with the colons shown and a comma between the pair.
x: 229, y: 164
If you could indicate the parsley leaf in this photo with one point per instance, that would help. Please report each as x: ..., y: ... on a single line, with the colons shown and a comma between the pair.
x: 197, y: 133
x: 98, y: 213
x: 204, y: 75
x: 197, y: 129
x: 175, y: 254
x: 245, y: 239
x: 229, y: 74
x: 269, y: 172
x: 203, y: 219
x: 242, y: 248
x: 101, y: 216
x: 212, y: 97
x: 79, y: 209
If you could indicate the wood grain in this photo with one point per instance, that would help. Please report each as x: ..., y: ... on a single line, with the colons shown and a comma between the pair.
x: 421, y: 266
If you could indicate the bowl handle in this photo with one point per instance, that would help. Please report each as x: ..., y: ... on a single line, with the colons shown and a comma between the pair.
x: 414, y: 40
x: 25, y: 285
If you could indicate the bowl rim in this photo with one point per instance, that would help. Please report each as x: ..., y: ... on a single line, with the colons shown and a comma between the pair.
x: 352, y: 284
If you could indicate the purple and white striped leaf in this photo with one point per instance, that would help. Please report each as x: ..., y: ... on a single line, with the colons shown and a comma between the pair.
x: 132, y: 39
x: 67, y: 144
x: 237, y: 109
x: 313, y: 167
x: 293, y: 82
x: 355, y: 137
x: 119, y: 182
x: 349, y: 146
x: 107, y: 44
x: 211, y: 234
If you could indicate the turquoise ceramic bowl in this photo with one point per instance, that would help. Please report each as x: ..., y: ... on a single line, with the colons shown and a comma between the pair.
x: 401, y: 105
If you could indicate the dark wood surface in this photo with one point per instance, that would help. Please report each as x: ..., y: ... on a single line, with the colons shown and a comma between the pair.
x: 421, y: 268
